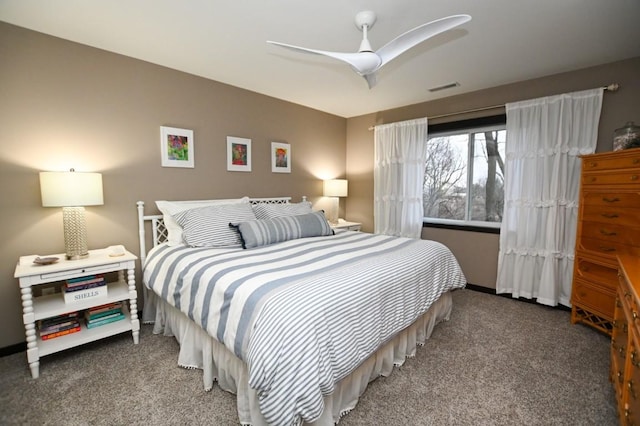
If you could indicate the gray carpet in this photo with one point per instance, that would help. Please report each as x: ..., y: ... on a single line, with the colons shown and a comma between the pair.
x: 498, y: 361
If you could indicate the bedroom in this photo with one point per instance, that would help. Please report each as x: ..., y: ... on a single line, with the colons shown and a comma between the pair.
x: 60, y: 98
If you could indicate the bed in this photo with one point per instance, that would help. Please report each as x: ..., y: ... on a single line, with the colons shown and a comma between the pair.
x: 277, y: 308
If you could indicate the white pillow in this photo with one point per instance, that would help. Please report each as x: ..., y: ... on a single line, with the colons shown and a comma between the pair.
x: 209, y: 226
x: 271, y: 211
x: 169, y: 208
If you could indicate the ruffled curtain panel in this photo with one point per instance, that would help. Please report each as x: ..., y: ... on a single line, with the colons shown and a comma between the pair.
x: 400, y: 155
x: 542, y: 180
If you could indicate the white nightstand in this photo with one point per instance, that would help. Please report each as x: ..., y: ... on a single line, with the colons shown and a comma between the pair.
x: 346, y: 226
x: 49, y: 305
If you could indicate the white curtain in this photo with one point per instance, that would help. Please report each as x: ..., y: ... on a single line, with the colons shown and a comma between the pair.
x: 542, y: 182
x: 398, y: 178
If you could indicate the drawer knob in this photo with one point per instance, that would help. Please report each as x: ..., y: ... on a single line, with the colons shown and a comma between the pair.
x: 634, y: 177
x: 607, y: 233
x: 610, y: 215
x: 593, y: 164
x: 607, y: 249
x: 635, y: 161
x: 610, y: 200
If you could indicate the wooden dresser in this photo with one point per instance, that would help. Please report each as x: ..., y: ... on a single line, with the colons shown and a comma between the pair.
x: 608, y: 226
x: 625, y: 342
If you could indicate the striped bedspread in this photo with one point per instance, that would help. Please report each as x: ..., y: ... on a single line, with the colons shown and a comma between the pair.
x: 304, y: 313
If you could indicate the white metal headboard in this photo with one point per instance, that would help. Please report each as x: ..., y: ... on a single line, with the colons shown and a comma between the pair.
x: 159, y: 230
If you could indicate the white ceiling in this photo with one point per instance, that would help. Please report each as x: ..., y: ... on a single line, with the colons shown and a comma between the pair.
x: 506, y: 41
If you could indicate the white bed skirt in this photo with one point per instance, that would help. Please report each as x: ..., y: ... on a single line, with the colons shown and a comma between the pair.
x: 199, y: 350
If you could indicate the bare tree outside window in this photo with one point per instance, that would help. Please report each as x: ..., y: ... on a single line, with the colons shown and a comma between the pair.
x: 464, y: 176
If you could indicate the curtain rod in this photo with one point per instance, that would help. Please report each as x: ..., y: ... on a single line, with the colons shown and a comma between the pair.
x: 611, y: 87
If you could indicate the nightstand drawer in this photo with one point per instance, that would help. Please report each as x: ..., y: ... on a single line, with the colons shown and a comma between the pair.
x: 63, y: 275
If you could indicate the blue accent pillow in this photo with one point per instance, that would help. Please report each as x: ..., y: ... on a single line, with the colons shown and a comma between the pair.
x: 262, y: 232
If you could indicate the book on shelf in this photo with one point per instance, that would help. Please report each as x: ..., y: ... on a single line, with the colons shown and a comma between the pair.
x: 68, y: 289
x: 84, y: 282
x: 61, y: 333
x: 58, y: 327
x: 111, y: 314
x: 58, y: 319
x: 89, y: 316
x: 106, y: 320
x: 83, y: 279
x: 104, y: 308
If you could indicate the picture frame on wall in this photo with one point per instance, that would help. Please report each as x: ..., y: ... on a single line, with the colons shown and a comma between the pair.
x: 177, y: 147
x: 280, y: 157
x: 238, y: 154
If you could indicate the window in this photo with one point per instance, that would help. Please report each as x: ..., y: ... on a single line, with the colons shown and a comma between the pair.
x: 464, y: 175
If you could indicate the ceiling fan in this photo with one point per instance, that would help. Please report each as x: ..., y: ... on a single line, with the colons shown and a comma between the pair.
x: 365, y: 61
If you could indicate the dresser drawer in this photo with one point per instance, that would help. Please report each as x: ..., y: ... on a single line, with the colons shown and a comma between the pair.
x: 616, y: 163
x: 611, y: 233
x: 611, y: 199
x: 615, y: 215
x: 597, y: 272
x: 625, y: 177
x: 598, y: 299
x: 607, y: 248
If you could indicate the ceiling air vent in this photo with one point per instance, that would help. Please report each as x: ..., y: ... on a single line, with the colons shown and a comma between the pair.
x: 444, y: 86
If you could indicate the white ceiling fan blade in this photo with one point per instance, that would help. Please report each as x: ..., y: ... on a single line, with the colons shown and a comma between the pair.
x: 371, y: 79
x: 362, y: 62
x: 413, y: 37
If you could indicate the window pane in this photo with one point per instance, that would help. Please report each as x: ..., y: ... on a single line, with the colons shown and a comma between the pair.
x: 487, y: 193
x: 445, y: 180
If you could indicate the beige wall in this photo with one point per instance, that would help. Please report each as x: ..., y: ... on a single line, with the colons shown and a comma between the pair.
x: 66, y: 105
x: 478, y: 252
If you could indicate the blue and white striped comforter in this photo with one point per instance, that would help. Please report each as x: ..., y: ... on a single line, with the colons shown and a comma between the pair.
x: 304, y: 313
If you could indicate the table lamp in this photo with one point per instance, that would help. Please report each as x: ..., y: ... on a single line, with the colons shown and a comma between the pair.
x: 335, y: 188
x: 72, y: 191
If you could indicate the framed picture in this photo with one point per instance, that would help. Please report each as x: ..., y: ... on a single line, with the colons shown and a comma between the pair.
x: 280, y: 157
x: 238, y: 154
x: 176, y: 146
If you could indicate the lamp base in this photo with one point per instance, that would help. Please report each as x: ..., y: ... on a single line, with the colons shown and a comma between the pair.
x: 75, y: 233
x: 332, y: 216
x: 77, y: 256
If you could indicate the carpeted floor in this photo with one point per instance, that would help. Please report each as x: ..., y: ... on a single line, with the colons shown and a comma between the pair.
x: 497, y: 361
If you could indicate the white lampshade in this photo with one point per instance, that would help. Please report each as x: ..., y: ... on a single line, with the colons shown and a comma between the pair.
x: 71, y: 189
x: 335, y: 188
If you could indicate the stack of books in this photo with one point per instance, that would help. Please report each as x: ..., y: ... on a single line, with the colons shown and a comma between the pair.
x: 83, y: 288
x: 103, y: 314
x: 60, y: 325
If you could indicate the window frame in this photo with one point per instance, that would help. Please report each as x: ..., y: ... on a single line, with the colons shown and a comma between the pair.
x: 474, y: 125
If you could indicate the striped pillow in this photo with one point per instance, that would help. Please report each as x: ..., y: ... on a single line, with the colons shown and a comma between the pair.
x: 256, y: 233
x: 270, y: 211
x: 209, y: 226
